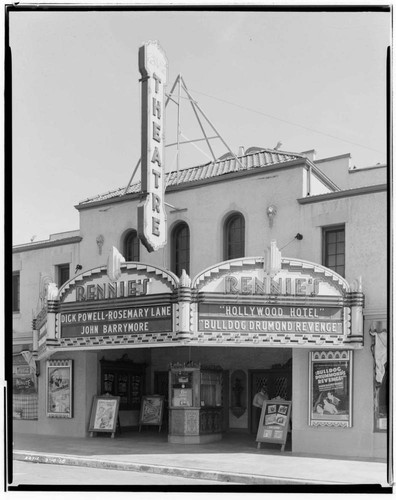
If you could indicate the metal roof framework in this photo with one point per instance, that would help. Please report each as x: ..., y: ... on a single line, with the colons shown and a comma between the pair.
x: 175, y: 96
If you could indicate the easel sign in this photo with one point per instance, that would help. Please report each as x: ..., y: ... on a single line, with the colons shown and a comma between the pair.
x: 104, y: 414
x: 274, y: 423
x: 151, y: 411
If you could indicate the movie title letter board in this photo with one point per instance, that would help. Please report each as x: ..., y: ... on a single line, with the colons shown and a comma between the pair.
x: 274, y: 423
x: 151, y: 411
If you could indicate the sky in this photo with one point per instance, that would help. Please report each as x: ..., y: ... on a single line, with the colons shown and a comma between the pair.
x: 310, y: 80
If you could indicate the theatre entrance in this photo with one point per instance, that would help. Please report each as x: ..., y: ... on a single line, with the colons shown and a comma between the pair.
x: 161, y: 386
x: 277, y: 381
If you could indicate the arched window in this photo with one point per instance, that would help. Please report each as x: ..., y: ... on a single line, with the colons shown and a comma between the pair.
x: 181, y: 249
x: 234, y: 237
x: 131, y: 246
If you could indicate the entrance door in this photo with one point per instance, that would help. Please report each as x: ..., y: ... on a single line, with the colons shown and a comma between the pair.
x: 161, y: 387
x: 276, y: 381
x: 225, y: 400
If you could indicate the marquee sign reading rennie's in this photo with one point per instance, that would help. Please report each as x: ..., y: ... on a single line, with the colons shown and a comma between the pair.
x: 272, y: 300
x: 252, y: 301
x: 96, y: 291
x: 249, y: 285
x: 137, y: 308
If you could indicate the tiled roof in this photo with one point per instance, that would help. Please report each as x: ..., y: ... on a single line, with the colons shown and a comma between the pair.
x: 222, y: 166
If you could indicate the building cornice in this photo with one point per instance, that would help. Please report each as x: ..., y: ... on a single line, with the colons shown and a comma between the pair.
x: 46, y: 244
x: 360, y: 170
x: 375, y: 313
x: 331, y: 158
x: 343, y: 194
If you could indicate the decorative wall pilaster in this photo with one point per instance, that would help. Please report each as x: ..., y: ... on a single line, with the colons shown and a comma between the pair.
x: 355, y: 300
x: 184, y: 306
x: 35, y: 336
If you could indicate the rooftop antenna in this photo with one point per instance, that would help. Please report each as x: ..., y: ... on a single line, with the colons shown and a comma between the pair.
x: 179, y: 86
x: 178, y: 127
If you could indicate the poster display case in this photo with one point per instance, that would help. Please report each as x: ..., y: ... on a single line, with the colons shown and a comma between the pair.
x: 196, y: 403
x: 330, y: 389
x: 59, y: 388
x: 104, y: 415
x: 152, y: 410
x: 24, y: 390
x: 274, y: 422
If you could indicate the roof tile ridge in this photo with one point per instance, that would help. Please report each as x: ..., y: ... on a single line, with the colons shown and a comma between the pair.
x: 111, y: 192
x: 211, y: 170
x: 287, y: 153
x: 270, y: 150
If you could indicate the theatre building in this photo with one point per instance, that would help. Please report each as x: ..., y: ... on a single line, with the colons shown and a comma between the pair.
x: 274, y: 275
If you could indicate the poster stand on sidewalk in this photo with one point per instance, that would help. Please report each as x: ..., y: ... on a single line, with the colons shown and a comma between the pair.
x: 104, y: 414
x: 274, y: 422
x: 151, y: 411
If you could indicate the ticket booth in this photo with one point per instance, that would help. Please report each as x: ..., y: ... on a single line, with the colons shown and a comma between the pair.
x: 195, y: 403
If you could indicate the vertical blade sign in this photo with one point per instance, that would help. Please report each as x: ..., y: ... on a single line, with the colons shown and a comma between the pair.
x: 153, y: 67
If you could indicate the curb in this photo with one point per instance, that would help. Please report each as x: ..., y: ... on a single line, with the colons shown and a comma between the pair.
x: 225, y: 477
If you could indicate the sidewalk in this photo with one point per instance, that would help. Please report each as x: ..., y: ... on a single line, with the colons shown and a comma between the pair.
x: 234, y: 459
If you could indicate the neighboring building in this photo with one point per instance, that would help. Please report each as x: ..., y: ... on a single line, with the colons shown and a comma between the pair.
x: 34, y: 266
x: 286, y: 316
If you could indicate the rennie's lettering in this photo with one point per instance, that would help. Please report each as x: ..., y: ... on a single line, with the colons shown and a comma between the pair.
x: 104, y: 291
x: 249, y: 285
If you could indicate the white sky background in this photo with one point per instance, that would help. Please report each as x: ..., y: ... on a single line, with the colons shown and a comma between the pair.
x: 76, y: 95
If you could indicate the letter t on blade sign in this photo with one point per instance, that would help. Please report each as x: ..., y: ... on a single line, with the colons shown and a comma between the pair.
x: 153, y: 67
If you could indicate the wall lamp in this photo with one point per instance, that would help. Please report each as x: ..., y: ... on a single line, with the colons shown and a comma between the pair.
x: 78, y: 268
x: 271, y: 212
x: 298, y: 237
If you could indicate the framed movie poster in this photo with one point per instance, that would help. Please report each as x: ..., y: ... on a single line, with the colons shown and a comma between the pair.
x: 151, y: 411
x: 330, y: 388
x: 59, y: 388
x: 104, y: 414
x: 24, y: 381
x: 274, y: 422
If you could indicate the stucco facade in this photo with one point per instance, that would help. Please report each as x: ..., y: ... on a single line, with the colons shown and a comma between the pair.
x: 306, y: 200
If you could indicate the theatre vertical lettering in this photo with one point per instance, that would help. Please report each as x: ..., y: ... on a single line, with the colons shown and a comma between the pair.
x: 151, y: 213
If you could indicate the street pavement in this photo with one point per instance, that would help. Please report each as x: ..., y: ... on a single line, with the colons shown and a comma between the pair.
x: 234, y: 459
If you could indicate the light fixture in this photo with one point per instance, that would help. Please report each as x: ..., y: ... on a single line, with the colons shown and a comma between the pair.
x: 298, y: 237
x: 271, y: 212
x: 99, y: 242
x: 78, y: 268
